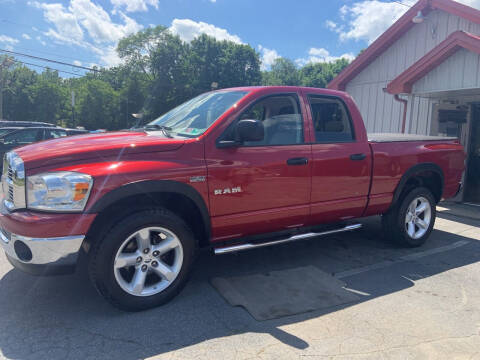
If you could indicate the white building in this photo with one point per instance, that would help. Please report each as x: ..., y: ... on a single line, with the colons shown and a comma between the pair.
x: 422, y: 76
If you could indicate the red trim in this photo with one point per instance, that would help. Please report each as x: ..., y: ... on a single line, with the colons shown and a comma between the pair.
x: 403, y: 83
x: 400, y: 27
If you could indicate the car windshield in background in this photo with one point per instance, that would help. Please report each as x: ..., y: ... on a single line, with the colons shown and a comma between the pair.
x: 4, y: 131
x: 193, y: 118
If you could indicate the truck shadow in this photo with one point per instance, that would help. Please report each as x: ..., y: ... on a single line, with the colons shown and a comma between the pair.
x: 63, y: 317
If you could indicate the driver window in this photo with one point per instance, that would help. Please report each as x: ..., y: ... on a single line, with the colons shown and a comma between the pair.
x: 282, y: 120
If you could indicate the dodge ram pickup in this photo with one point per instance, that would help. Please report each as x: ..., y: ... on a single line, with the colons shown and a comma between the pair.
x: 231, y: 170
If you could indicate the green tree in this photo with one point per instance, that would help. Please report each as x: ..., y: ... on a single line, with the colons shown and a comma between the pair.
x: 283, y: 72
x: 136, y: 49
x: 320, y: 74
x: 48, y: 97
x: 98, y: 105
x: 17, y: 104
x: 225, y: 63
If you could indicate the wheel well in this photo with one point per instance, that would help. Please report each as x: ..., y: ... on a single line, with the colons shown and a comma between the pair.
x: 429, y: 179
x: 177, y: 203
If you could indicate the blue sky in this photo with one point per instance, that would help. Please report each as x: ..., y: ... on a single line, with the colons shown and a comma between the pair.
x: 86, y: 31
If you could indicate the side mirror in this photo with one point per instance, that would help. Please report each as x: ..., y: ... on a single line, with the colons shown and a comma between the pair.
x: 245, y: 130
x: 249, y: 130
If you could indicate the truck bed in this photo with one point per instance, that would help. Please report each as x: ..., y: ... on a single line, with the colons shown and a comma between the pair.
x: 386, y: 137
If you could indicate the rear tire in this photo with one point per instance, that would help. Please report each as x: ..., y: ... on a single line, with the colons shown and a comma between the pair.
x: 410, y: 221
x: 143, y: 261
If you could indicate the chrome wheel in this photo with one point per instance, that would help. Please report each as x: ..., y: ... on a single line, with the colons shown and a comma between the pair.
x: 418, y: 217
x: 148, y: 261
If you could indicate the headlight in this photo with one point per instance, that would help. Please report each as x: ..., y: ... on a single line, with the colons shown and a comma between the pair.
x: 58, y: 191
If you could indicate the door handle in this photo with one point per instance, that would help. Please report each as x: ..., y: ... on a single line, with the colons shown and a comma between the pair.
x: 297, y: 161
x: 357, y: 157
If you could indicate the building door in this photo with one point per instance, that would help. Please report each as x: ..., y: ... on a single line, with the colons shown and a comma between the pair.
x: 472, y: 184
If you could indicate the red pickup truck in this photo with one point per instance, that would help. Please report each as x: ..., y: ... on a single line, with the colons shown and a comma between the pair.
x: 232, y: 169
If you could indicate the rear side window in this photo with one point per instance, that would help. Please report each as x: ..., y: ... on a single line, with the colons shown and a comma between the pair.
x: 53, y: 134
x: 331, y: 120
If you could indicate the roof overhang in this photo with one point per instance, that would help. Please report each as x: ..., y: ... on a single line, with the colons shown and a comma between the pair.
x: 403, y: 83
x: 400, y: 27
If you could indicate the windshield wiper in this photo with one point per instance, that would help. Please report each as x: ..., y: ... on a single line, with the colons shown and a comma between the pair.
x: 164, y: 129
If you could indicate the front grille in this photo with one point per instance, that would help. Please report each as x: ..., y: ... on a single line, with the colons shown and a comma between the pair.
x: 13, y: 181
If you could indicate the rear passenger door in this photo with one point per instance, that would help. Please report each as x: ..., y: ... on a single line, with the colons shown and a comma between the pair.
x: 341, y: 165
x: 262, y: 186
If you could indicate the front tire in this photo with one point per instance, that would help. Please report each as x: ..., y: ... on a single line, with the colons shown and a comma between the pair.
x: 410, y: 222
x: 143, y: 261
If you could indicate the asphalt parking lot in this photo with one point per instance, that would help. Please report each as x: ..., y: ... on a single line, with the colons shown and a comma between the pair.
x: 415, y: 303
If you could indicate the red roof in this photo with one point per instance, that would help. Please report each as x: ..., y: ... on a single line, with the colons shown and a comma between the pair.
x: 403, y: 83
x: 400, y: 27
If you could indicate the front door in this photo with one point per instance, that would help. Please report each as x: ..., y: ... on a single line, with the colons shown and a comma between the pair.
x: 262, y: 186
x: 472, y: 183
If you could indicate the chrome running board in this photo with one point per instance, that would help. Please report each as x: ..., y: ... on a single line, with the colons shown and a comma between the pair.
x: 247, y: 246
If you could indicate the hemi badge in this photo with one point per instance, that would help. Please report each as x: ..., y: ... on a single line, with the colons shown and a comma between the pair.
x: 197, y: 178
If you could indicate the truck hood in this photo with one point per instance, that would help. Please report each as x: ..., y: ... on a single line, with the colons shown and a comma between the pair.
x: 94, y: 146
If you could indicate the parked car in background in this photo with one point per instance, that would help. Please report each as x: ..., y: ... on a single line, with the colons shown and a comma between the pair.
x: 24, y: 136
x: 232, y: 170
x: 5, y: 130
x: 8, y: 123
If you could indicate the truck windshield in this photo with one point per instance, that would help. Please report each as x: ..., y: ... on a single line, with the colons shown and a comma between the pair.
x: 193, y: 118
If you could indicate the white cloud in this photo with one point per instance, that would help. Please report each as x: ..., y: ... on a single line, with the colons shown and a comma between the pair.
x: 321, y: 55
x: 108, y: 55
x: 67, y: 28
x: 86, y: 24
x: 268, y: 56
x: 41, y: 41
x: 98, y: 23
x: 188, y: 30
x: 331, y: 25
x: 26, y: 36
x: 135, y: 5
x: 77, y: 62
x: 366, y: 20
x: 4, y: 39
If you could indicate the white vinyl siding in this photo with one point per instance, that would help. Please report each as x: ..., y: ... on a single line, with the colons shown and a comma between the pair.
x: 379, y: 109
x: 458, y: 72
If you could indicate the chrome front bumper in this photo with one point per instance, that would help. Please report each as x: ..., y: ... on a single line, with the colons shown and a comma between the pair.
x: 25, y: 252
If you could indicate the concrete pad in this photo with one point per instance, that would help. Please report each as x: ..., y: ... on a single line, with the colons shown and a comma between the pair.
x: 470, y: 211
x: 283, y: 293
